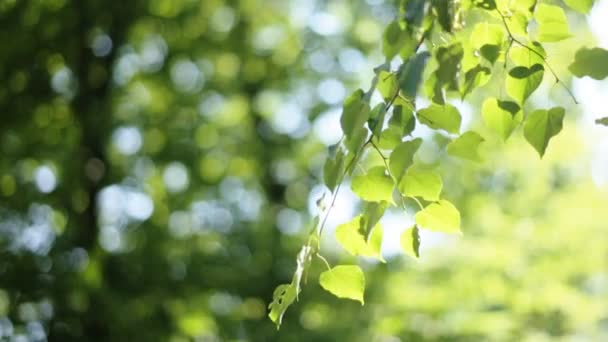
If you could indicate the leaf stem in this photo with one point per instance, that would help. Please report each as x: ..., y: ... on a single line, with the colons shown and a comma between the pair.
x: 544, y: 59
x: 324, y: 261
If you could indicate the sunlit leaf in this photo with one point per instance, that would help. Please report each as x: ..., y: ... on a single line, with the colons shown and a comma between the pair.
x: 541, y: 125
x: 410, y: 242
x: 445, y: 117
x: 552, y: 23
x: 590, y: 62
x: 440, y: 217
x: 351, y: 237
x: 523, y: 81
x: 376, y: 118
x: 411, y: 74
x: 344, y: 281
x: 374, y: 186
x: 422, y: 183
x: 583, y: 6
x: 474, y: 78
x: 371, y: 214
x: 402, y: 157
x: 501, y: 116
x: 466, y: 146
x: 488, y: 39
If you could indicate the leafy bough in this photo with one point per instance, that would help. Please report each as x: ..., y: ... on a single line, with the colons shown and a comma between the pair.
x: 466, y: 57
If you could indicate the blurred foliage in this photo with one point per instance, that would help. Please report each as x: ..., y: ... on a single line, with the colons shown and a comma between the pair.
x: 156, y: 161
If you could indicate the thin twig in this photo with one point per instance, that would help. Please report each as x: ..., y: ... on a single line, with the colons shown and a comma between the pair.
x: 544, y: 59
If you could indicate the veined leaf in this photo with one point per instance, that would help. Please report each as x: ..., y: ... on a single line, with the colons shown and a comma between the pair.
x: 444, y: 117
x: 344, y: 281
x: 466, y: 146
x: 375, y: 186
x: 440, y: 217
x: 541, y: 125
x: 417, y: 182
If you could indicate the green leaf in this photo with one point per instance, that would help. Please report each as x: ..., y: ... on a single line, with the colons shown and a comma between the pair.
x: 350, y: 237
x: 389, y: 138
x: 583, y: 6
x: 552, y: 23
x: 501, y: 116
x: 344, y: 281
x: 387, y: 84
x: 541, y: 125
x: 474, y: 78
x: 403, y: 117
x: 356, y: 139
x: 355, y: 113
x: 283, y: 296
x: 333, y: 170
x: 466, y: 146
x: 395, y: 35
x: 523, y: 81
x: 411, y: 74
x: 448, y: 59
x: 522, y: 56
x: 443, y: 11
x: 375, y: 186
x: 372, y: 213
x: 402, y: 157
x: 590, y: 62
x: 439, y: 217
x: 376, y: 118
x: 417, y: 182
x: 410, y: 242
x: 488, y: 38
x: 444, y: 117
x: 602, y: 121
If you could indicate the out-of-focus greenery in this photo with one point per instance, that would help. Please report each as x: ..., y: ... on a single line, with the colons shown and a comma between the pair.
x: 156, y: 160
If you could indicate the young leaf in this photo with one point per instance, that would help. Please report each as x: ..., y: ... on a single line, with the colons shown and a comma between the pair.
x: 344, y: 281
x: 541, y: 125
x: 355, y: 113
x: 583, y: 6
x: 488, y: 38
x: 410, y: 242
x: 402, y: 157
x: 440, y: 217
x: 387, y: 84
x: 523, y: 56
x: 552, y: 23
x: 466, y: 146
x: 375, y: 186
x: 523, y: 81
x: 444, y: 117
x: 501, y: 116
x: 474, y: 78
x: 284, y: 295
x: 417, y: 182
x: 590, y: 62
x: 350, y: 237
